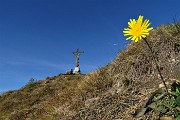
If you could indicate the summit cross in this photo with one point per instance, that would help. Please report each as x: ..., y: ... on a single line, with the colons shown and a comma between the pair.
x: 77, y: 54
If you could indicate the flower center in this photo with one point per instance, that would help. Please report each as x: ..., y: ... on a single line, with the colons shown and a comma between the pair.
x: 137, y: 31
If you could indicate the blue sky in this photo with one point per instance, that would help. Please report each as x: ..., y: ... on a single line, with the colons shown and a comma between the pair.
x: 37, y: 37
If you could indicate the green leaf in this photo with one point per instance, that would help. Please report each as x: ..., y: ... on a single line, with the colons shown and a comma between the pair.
x: 178, y: 117
x: 155, y: 99
x: 170, y: 102
x: 153, y: 106
x: 177, y: 93
x: 162, y: 109
x: 178, y: 90
x: 176, y: 113
x: 178, y: 101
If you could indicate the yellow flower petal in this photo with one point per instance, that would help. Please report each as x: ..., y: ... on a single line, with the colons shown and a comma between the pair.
x: 128, y: 38
x: 137, y: 29
x: 136, y: 39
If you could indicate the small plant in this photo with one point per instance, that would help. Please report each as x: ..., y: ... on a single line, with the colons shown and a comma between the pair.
x: 30, y: 85
x: 32, y: 80
x: 167, y: 105
x: 137, y: 30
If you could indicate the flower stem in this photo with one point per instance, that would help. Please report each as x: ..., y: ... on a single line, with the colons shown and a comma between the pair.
x: 157, y: 66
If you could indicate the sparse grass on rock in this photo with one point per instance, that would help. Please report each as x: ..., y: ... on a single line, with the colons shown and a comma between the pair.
x: 112, y: 92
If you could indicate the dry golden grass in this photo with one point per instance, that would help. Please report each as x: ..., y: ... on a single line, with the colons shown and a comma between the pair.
x: 132, y: 73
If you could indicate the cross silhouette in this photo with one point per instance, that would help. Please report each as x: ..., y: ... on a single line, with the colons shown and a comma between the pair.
x: 77, y: 54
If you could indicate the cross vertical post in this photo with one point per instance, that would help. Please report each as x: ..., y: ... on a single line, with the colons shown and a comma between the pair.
x: 77, y: 54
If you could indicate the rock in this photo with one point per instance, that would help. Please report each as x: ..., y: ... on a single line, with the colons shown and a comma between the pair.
x: 91, y: 101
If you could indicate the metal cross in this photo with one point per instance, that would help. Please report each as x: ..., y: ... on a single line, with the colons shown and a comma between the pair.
x: 77, y: 54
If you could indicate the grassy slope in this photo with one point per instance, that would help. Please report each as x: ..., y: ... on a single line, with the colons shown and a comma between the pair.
x: 135, y: 76
x: 112, y: 92
x: 55, y: 97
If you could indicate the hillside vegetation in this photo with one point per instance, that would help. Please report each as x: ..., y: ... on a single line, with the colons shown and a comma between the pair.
x: 115, y: 91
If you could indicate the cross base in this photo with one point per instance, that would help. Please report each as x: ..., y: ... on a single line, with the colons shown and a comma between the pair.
x: 77, y: 70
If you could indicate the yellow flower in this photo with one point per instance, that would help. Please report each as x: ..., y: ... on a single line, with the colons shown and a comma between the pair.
x: 137, y: 29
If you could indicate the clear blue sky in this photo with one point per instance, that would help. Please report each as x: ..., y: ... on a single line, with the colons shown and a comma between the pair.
x: 37, y: 37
